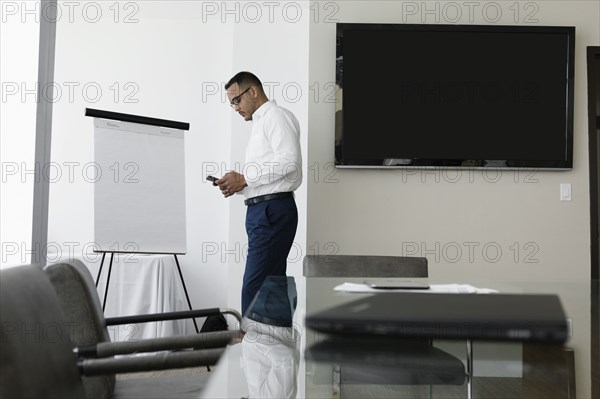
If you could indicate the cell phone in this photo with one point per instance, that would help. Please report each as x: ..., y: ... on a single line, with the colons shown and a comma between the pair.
x: 212, y: 178
x: 396, y: 284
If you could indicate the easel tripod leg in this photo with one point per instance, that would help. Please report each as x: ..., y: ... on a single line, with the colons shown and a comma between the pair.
x: 187, y: 297
x: 100, y: 271
x: 107, y: 281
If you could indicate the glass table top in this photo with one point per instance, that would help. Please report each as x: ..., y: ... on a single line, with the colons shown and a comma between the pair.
x: 280, y: 358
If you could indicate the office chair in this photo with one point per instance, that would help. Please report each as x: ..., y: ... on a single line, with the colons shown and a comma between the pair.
x: 369, y: 266
x: 38, y: 360
x: 79, y: 300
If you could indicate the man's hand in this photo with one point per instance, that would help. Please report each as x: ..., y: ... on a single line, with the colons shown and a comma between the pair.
x: 231, y: 183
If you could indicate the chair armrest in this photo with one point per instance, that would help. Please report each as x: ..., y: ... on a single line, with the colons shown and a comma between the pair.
x: 184, y: 314
x: 208, y: 340
x: 162, y: 361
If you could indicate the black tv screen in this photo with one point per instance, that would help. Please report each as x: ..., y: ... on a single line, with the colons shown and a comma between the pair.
x: 454, y: 96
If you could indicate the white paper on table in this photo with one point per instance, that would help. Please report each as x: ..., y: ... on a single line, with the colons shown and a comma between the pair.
x: 433, y: 288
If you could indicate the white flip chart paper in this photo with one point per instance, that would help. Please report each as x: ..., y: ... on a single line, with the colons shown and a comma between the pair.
x: 139, y: 189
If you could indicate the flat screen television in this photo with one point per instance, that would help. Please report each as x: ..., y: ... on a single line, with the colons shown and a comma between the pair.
x: 454, y: 96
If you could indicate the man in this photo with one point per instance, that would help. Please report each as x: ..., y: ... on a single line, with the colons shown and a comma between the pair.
x: 272, y: 173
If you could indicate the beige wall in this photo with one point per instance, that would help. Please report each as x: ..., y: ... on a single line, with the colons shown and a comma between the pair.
x: 499, y: 225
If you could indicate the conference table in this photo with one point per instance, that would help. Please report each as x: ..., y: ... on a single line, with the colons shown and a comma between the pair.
x: 293, y: 361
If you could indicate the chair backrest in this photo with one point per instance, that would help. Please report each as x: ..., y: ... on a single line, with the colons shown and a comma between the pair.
x: 364, y: 266
x: 79, y: 300
x: 36, y: 358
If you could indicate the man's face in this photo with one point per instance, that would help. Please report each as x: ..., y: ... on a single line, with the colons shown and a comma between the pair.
x: 242, y: 100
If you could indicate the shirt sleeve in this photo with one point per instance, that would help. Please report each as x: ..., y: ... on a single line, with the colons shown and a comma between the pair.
x: 282, y: 133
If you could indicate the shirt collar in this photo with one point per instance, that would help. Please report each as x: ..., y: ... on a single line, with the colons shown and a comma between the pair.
x: 262, y: 110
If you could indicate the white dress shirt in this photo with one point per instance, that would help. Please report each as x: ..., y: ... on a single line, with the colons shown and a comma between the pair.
x: 273, y: 158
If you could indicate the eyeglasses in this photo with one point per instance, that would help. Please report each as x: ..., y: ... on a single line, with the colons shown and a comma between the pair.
x: 236, y: 100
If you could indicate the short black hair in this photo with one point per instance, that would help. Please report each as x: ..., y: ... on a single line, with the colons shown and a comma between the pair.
x: 244, y: 79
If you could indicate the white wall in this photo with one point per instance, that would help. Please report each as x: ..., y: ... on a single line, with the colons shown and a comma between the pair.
x: 163, y: 62
x: 170, y: 60
x: 18, y: 74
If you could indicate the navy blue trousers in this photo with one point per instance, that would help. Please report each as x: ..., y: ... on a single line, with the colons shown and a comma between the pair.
x: 271, y: 228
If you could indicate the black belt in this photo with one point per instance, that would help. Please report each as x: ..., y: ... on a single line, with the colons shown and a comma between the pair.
x: 268, y: 197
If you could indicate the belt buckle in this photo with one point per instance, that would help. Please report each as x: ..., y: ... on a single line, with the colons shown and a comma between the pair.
x: 250, y: 201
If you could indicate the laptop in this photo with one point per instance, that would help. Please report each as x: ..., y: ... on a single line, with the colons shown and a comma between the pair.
x: 496, y: 317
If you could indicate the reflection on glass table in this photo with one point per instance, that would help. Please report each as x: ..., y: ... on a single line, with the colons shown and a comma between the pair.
x: 388, y: 361
x: 270, y: 348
